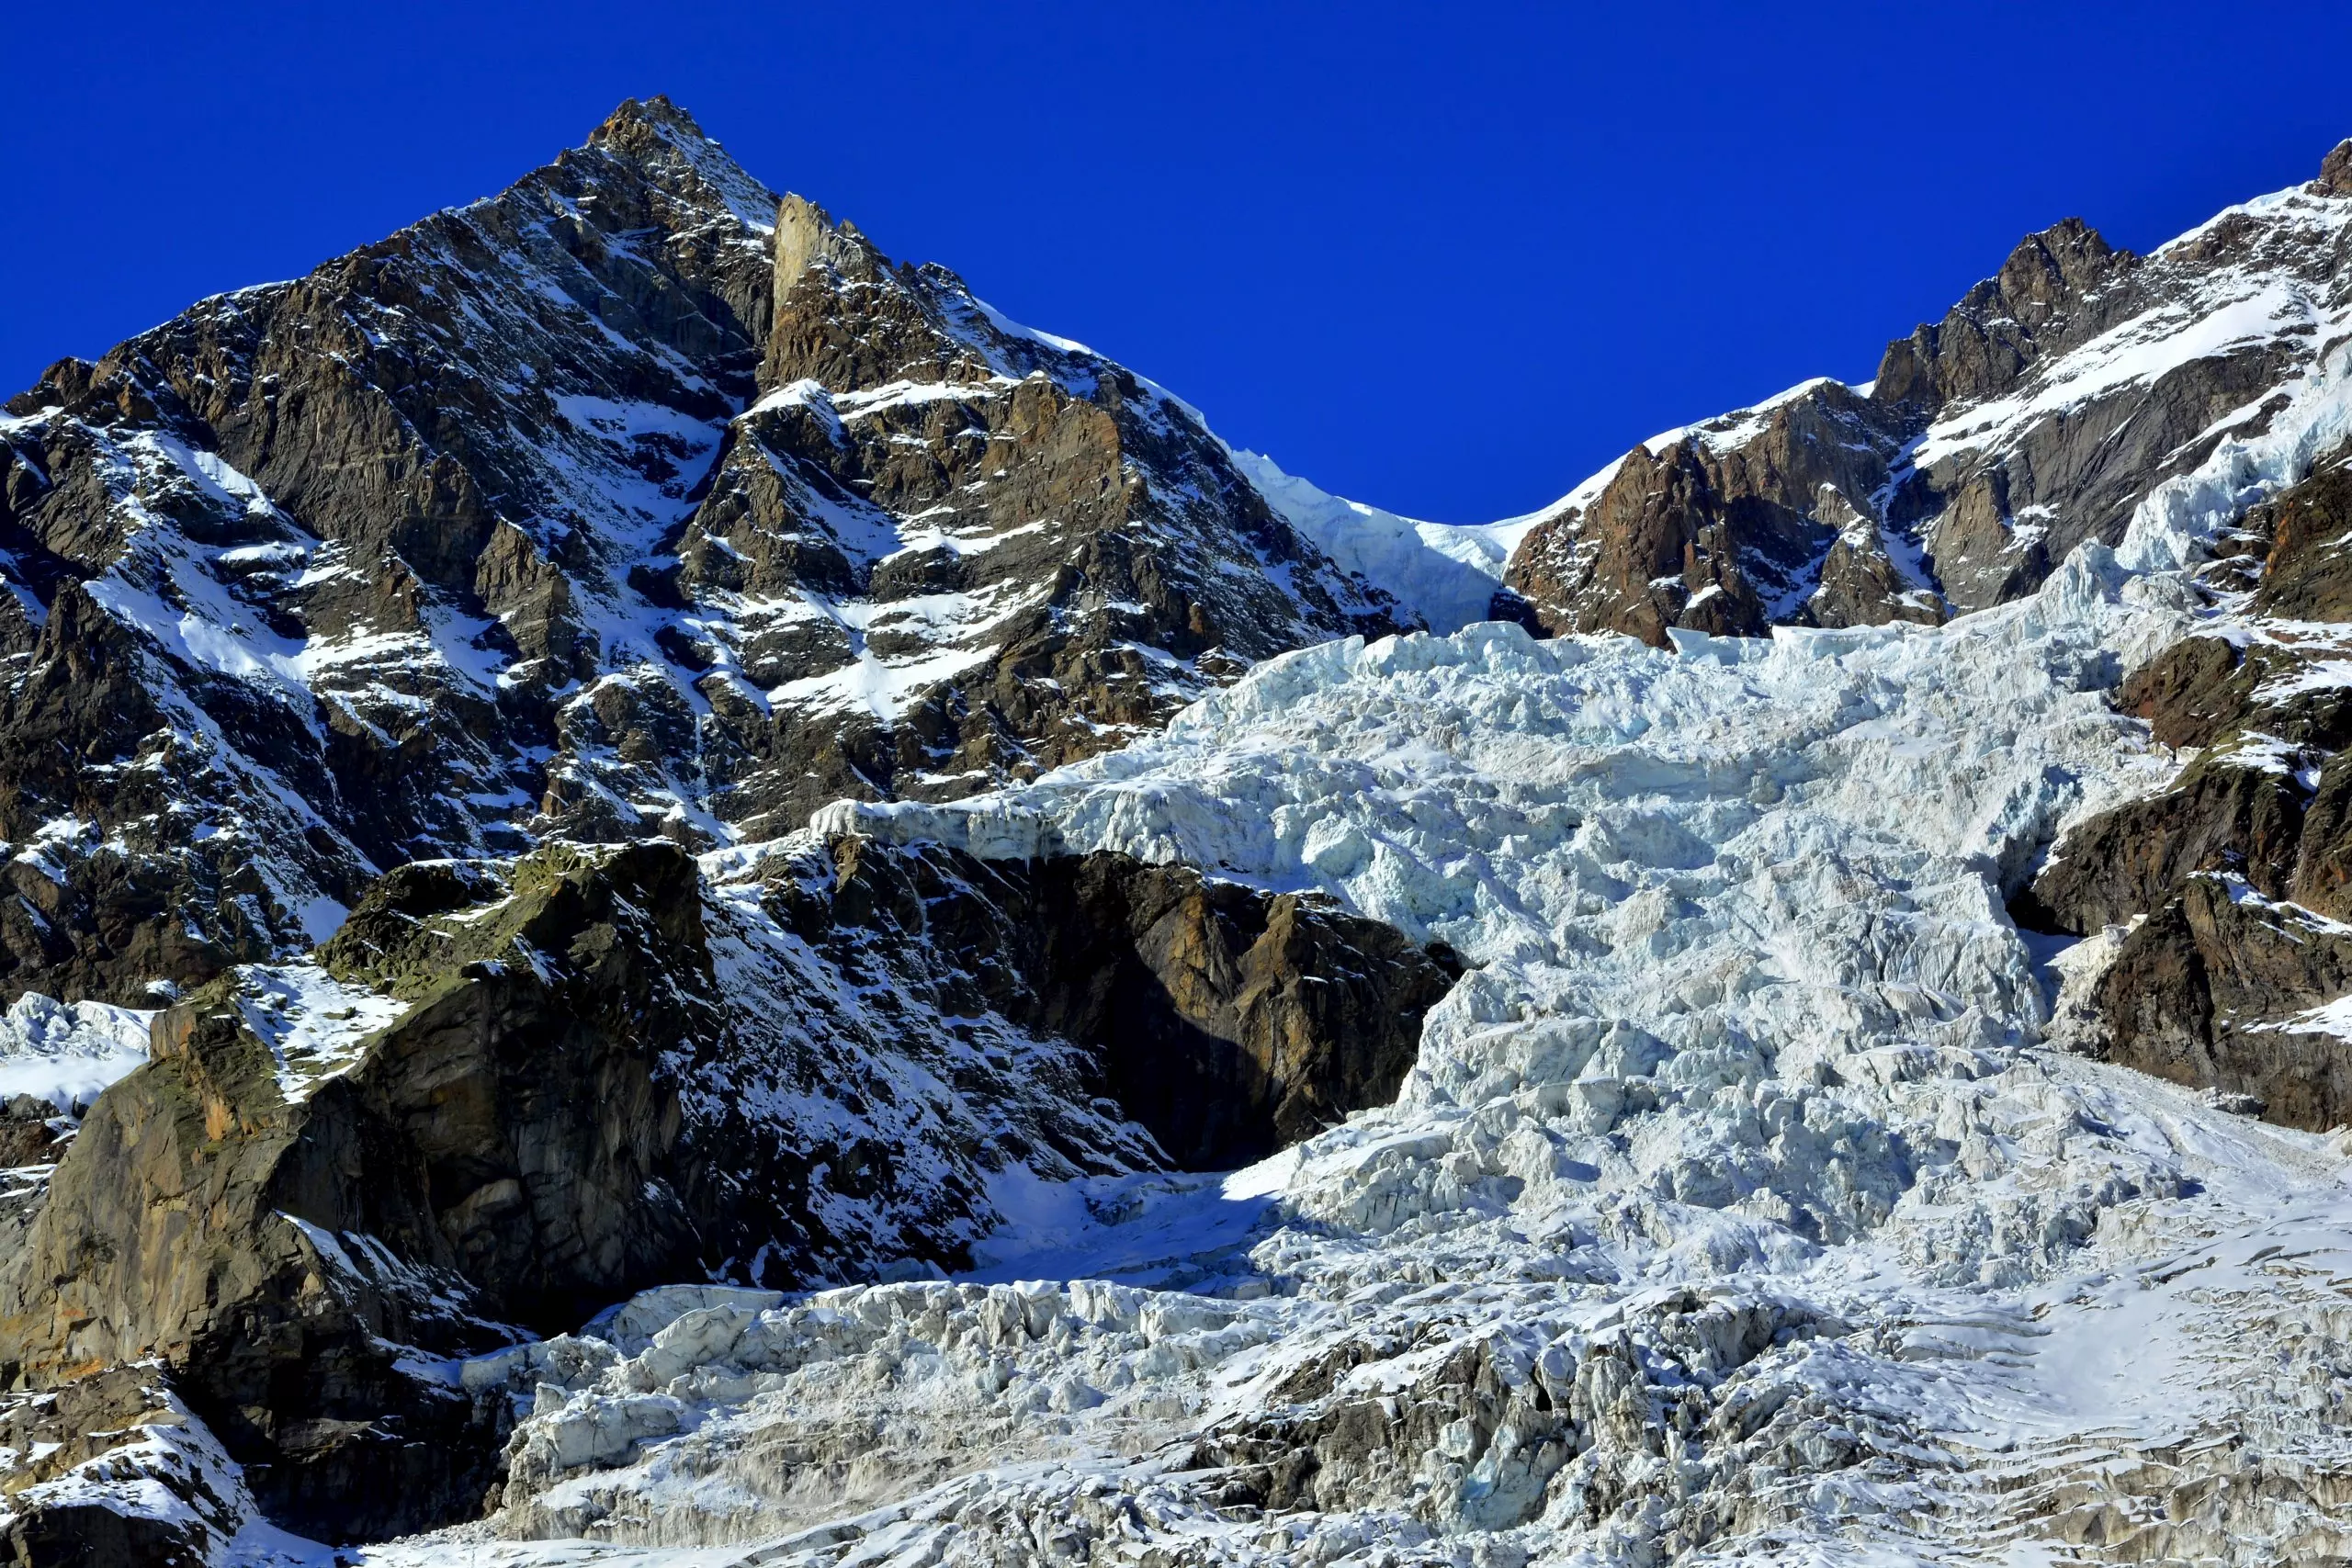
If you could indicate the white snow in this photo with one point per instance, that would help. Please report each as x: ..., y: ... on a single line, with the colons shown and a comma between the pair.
x: 66, y: 1053
x: 1012, y: 328
x: 313, y: 1023
x: 1445, y: 574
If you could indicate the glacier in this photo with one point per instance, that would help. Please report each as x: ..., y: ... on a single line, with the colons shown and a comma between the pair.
x: 1744, y: 1205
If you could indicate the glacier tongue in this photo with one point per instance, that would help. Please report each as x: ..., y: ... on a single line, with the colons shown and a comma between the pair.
x: 1735, y: 1208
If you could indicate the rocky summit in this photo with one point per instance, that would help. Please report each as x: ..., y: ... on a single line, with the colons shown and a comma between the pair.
x: 632, y: 500
x: 675, y: 898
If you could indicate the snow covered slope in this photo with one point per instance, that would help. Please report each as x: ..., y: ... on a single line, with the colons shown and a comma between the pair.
x: 66, y: 1053
x: 1445, y: 574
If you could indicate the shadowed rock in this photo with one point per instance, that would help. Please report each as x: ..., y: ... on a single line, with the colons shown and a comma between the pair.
x: 511, y: 1096
x: 1228, y: 1021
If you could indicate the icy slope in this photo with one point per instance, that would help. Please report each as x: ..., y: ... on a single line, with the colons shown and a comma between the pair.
x: 1734, y: 1211
x: 1446, y: 574
x: 66, y: 1052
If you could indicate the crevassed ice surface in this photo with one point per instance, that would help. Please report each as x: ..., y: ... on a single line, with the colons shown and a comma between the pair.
x: 66, y: 1053
x: 1737, y: 1209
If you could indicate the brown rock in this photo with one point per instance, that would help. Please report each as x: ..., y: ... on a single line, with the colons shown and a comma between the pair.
x: 568, y: 1109
x: 2190, y: 692
x: 2224, y: 813
x: 1861, y: 585
x: 1230, y: 1023
x: 48, y: 1434
x: 497, y: 1153
x: 1719, y: 533
x: 1986, y: 343
x: 29, y: 1133
x: 2322, y: 873
x: 2198, y: 995
x: 2308, y: 575
x: 1980, y: 559
x: 2336, y: 171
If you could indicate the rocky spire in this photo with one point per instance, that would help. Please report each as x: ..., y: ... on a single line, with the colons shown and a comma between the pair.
x: 805, y: 233
x: 636, y: 121
x: 1984, y: 343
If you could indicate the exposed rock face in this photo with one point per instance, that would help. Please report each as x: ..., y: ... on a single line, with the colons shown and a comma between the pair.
x: 1280, y: 1016
x: 30, y: 1133
x: 568, y: 513
x: 2027, y: 311
x: 1228, y: 1021
x: 280, y: 1215
x: 122, y: 1476
x: 2037, y: 414
x: 2241, y: 864
x: 1728, y: 528
x: 510, y: 1098
x: 2225, y: 811
x: 923, y: 481
x: 2222, y: 988
x: 1861, y: 584
x: 2336, y: 171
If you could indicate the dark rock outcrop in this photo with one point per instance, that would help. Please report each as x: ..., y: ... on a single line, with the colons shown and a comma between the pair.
x: 509, y: 1096
x: 117, y: 1433
x: 1228, y: 1021
x: 2228, y: 811
x: 2336, y: 171
x: 497, y: 1153
x: 1072, y: 518
x: 1233, y: 1024
x: 31, y: 1133
x: 2213, y: 990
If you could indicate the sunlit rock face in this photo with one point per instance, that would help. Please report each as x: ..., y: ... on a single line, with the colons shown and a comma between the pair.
x: 2044, y: 407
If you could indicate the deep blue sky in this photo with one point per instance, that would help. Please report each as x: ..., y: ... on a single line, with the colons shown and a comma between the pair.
x: 1447, y: 259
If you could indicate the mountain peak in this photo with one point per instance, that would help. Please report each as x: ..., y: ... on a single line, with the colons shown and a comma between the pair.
x: 664, y: 141
x: 2049, y: 268
x: 638, y: 119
